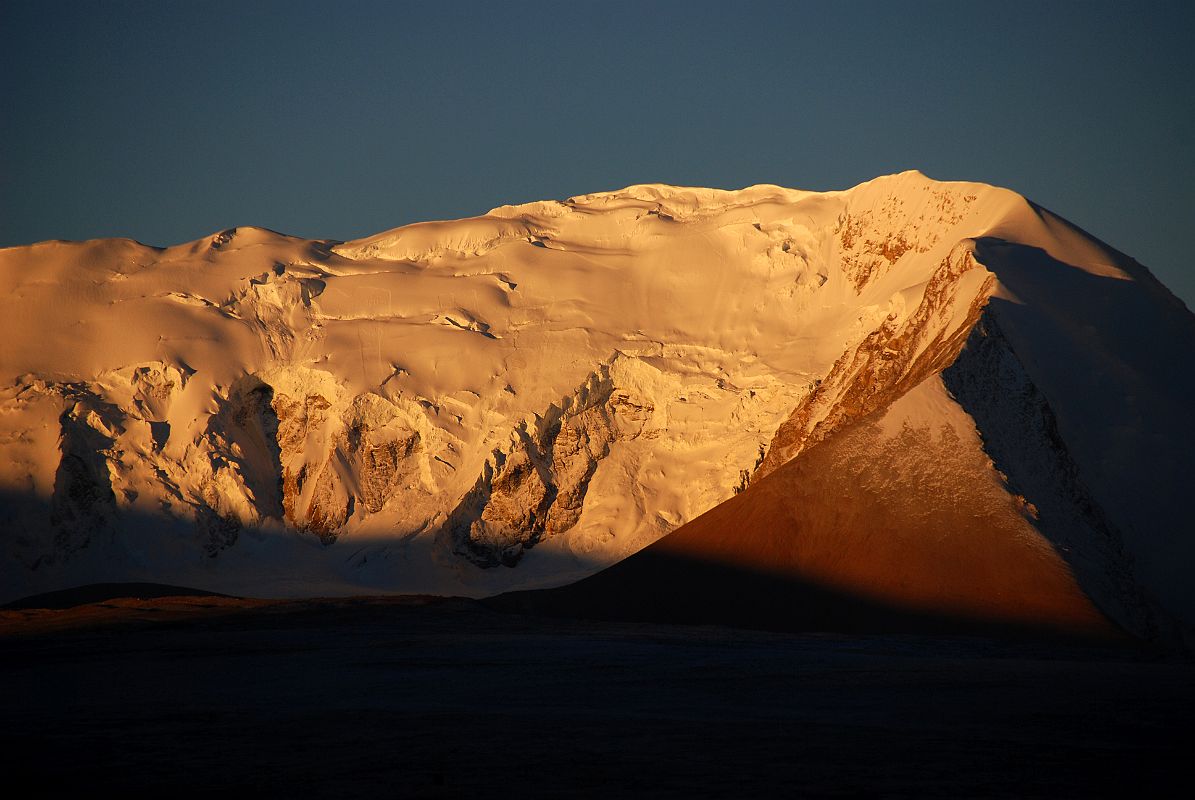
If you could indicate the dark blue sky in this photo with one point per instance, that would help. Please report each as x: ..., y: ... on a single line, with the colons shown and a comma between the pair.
x: 165, y: 121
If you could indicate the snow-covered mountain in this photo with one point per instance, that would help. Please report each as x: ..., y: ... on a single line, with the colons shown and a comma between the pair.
x: 524, y: 398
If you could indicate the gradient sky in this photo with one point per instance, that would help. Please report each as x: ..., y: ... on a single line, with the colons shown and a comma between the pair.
x: 167, y: 121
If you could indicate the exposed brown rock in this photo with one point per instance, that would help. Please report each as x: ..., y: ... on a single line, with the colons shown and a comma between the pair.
x: 888, y: 362
x: 538, y: 488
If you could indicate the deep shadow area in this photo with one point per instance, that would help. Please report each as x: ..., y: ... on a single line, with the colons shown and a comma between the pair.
x: 1112, y: 357
x: 848, y: 537
x: 670, y: 588
x: 46, y: 563
x: 1112, y: 360
x: 444, y: 698
x: 1020, y: 435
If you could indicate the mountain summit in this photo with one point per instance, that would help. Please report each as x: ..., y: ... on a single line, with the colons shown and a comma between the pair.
x: 934, y: 395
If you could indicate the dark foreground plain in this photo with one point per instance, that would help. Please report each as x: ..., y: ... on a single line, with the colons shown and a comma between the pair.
x: 449, y: 698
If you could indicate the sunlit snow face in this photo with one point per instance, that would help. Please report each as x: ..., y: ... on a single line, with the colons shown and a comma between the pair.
x: 509, y: 400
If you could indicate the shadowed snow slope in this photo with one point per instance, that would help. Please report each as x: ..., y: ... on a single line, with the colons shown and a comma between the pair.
x: 524, y: 398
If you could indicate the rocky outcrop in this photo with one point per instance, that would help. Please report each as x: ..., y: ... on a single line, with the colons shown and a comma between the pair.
x: 536, y: 489
x: 238, y: 480
x: 310, y: 497
x: 83, y: 503
x: 894, y: 357
x: 385, y: 451
x: 291, y: 447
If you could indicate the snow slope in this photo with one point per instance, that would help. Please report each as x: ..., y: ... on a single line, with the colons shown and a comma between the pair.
x: 522, y: 398
x: 898, y: 522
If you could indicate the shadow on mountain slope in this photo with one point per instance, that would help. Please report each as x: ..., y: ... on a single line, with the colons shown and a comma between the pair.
x: 673, y: 589
x: 1079, y: 386
x: 846, y: 538
x: 1076, y: 386
x: 1100, y: 372
x: 759, y: 585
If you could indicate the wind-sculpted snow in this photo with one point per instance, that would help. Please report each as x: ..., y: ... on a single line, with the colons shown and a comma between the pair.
x: 512, y: 400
